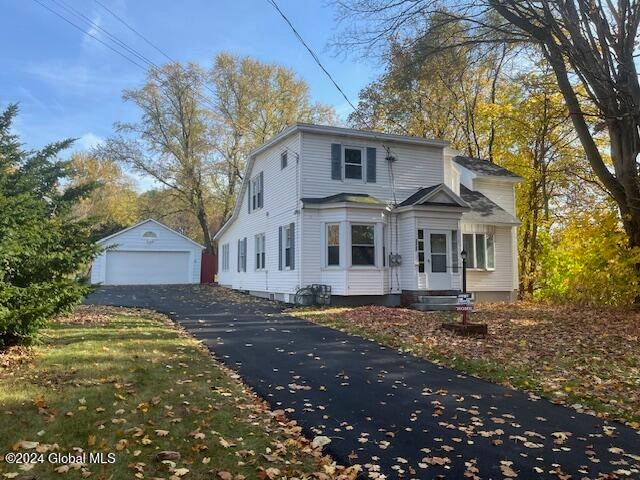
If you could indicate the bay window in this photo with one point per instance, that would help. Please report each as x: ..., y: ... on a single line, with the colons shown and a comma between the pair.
x: 480, y: 250
x: 333, y: 245
x: 363, y: 250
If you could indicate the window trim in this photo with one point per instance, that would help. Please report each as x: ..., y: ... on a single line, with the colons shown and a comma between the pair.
x: 242, y: 255
x: 326, y: 230
x: 363, y: 173
x: 224, y: 258
x: 260, y: 254
x: 474, y: 255
x: 375, y: 260
x: 420, y: 248
x: 257, y: 194
x: 287, y: 237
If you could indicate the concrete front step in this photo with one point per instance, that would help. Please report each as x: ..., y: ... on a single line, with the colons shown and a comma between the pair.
x: 437, y: 299
x: 434, y: 307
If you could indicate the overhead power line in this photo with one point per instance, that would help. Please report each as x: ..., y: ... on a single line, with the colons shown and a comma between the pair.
x: 315, y: 57
x: 115, y: 50
x: 311, y: 52
x: 117, y: 46
x: 126, y: 24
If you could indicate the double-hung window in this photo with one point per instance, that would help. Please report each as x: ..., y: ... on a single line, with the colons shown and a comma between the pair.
x: 288, y: 242
x: 242, y: 254
x: 363, y: 251
x: 353, y: 163
x: 257, y: 194
x: 224, y: 257
x: 260, y: 251
x: 480, y: 250
x: 333, y: 245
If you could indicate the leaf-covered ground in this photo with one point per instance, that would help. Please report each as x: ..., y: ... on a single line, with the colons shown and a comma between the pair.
x: 128, y: 383
x: 587, y: 358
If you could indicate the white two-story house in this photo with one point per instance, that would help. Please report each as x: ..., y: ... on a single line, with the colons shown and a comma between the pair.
x: 379, y: 218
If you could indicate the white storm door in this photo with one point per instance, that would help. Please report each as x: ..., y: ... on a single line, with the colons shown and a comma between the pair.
x: 437, y: 254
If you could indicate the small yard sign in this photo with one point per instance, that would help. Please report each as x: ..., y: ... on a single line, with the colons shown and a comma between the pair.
x: 464, y: 302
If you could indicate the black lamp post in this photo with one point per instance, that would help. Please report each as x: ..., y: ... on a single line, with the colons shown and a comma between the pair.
x: 463, y: 254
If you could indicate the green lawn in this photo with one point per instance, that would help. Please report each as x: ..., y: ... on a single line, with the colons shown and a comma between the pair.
x: 128, y: 383
x: 583, y: 357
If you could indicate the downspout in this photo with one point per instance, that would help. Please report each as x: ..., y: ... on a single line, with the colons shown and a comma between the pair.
x: 299, y: 207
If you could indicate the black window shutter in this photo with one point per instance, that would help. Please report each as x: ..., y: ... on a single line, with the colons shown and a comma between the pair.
x: 371, y: 165
x: 292, y: 227
x: 239, y: 245
x: 279, y: 248
x: 336, y: 161
x: 454, y: 251
x: 249, y: 195
x: 261, y: 189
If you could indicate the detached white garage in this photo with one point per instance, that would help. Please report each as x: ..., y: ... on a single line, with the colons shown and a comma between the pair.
x: 148, y: 253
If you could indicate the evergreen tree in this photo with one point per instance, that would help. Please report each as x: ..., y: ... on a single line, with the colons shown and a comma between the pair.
x: 42, y: 247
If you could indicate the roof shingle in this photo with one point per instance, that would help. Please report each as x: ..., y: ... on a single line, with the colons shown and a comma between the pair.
x: 484, y: 167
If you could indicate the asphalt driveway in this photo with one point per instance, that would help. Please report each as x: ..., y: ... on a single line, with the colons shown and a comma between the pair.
x: 398, y: 415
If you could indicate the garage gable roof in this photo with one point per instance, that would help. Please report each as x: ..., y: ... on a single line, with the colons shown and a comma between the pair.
x: 102, y: 240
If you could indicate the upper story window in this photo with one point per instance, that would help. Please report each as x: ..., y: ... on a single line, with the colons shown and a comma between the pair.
x: 480, y: 250
x: 333, y: 244
x: 283, y: 160
x: 257, y: 192
x: 353, y: 163
x: 363, y: 251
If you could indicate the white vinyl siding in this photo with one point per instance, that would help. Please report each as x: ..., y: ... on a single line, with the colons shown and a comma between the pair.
x: 501, y: 193
x: 416, y: 166
x: 504, y: 275
x: 280, y: 205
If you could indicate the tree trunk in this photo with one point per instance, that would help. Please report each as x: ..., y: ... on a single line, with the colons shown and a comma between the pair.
x: 201, y: 214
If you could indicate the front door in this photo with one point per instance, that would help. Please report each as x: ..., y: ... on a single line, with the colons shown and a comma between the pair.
x: 437, y: 248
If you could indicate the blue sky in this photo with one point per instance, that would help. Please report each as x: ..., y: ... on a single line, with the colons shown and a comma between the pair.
x: 69, y: 85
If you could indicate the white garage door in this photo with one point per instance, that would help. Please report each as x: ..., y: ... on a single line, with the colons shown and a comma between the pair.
x: 147, y: 268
